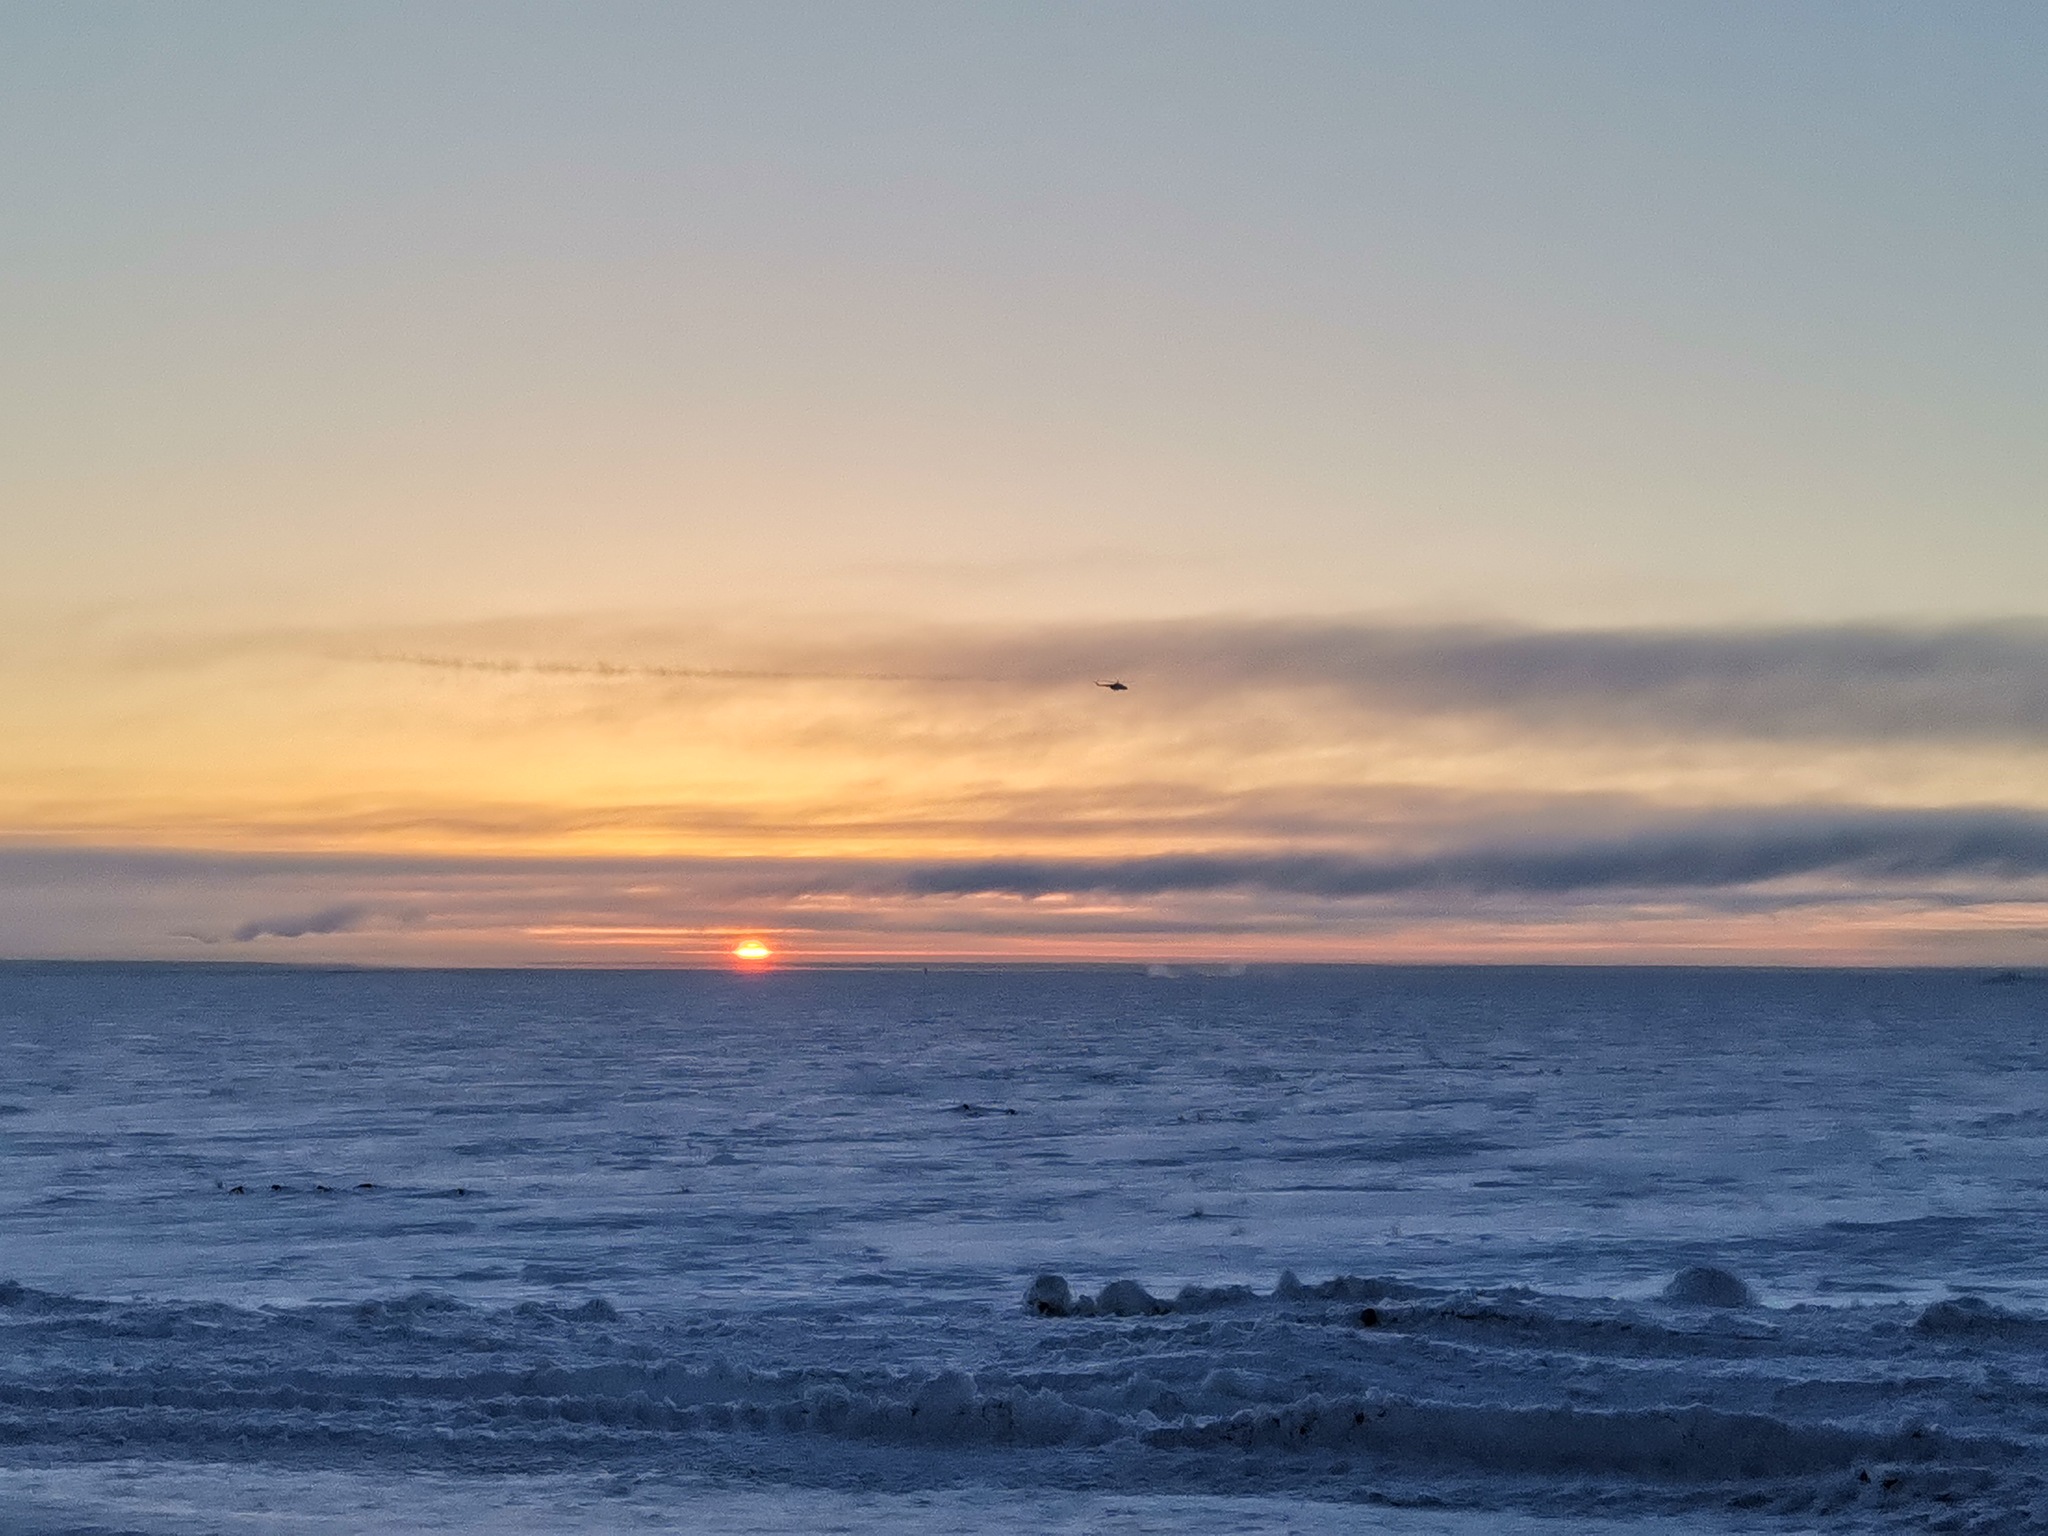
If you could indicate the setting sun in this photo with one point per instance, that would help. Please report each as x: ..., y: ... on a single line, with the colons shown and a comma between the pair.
x: 751, y: 949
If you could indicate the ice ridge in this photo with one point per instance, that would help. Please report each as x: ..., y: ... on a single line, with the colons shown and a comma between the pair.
x: 1346, y: 1383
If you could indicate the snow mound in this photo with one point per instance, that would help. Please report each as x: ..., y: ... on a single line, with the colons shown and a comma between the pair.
x: 1051, y: 1296
x: 1345, y: 1288
x: 1206, y: 1298
x: 1703, y: 1285
x: 1127, y: 1298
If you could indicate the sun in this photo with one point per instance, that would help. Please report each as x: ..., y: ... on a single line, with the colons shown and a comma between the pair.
x: 751, y: 949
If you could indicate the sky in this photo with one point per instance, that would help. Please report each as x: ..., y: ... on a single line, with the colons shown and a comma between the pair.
x: 590, y: 483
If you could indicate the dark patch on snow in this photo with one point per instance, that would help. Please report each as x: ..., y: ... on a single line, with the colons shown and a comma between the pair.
x: 1704, y: 1285
x: 1973, y: 1315
x: 1416, y: 1147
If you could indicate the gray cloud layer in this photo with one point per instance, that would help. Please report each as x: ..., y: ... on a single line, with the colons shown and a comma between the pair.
x: 1857, y: 681
x: 1870, y: 849
x: 1971, y: 682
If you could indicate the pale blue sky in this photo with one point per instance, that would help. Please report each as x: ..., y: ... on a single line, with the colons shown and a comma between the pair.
x: 1565, y: 312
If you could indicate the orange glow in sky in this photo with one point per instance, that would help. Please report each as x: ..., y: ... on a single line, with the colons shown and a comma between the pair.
x: 1567, y: 588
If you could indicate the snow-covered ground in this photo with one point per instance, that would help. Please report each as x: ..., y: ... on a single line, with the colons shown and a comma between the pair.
x: 332, y: 1251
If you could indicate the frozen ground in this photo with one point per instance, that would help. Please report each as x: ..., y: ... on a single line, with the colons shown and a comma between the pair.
x: 300, y: 1251
x: 157, y: 1498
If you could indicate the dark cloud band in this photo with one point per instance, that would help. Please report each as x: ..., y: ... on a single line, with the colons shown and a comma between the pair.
x: 1866, y: 849
x: 1860, y: 848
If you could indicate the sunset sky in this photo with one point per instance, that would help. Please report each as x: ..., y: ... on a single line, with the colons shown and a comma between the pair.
x: 592, y: 483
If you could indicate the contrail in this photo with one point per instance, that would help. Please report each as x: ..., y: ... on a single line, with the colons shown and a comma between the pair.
x: 624, y: 669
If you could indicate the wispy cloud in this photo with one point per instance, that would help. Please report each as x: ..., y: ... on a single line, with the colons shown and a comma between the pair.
x: 1977, y: 681
x: 346, y: 918
x: 626, y: 669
